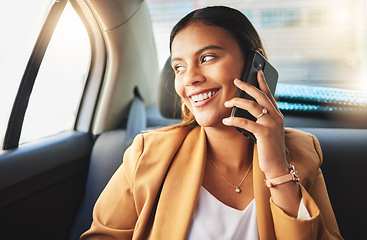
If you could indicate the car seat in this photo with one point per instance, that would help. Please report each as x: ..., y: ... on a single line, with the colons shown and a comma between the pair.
x: 106, y: 157
x: 108, y: 149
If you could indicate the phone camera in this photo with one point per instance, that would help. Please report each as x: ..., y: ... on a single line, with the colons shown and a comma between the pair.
x: 256, y: 65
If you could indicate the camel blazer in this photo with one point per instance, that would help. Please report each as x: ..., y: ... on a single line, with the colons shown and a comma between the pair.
x: 153, y: 194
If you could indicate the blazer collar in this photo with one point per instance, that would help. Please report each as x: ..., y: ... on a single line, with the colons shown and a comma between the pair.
x: 181, y: 187
x: 180, y: 190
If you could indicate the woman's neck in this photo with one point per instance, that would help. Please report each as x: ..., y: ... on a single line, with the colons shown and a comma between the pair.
x: 229, y: 148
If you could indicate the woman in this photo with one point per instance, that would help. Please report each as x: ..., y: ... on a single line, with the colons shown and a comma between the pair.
x: 203, y: 179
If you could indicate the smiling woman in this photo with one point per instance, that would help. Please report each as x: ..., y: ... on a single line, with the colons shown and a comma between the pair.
x: 172, y: 173
x: 183, y: 181
x: 196, y: 60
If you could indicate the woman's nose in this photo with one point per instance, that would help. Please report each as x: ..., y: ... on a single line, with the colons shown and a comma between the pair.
x: 193, y: 76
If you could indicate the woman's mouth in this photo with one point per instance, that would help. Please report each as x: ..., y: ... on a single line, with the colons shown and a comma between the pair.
x: 203, y: 95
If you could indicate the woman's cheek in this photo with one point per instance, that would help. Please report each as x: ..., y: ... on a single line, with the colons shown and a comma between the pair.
x: 179, y: 88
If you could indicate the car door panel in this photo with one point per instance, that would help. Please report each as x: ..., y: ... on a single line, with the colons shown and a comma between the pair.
x: 41, y: 185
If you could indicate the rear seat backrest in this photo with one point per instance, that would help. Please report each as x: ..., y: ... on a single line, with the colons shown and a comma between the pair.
x: 106, y: 157
x: 344, y: 152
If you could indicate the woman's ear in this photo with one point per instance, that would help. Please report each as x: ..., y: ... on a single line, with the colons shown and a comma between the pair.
x: 260, y: 51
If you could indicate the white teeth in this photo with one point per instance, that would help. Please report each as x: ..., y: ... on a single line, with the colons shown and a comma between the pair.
x: 202, y: 96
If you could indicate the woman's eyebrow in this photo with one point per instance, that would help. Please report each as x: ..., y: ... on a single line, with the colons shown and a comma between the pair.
x: 200, y: 51
x: 208, y: 48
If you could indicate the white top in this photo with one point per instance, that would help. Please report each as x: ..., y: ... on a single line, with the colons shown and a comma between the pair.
x: 215, y: 220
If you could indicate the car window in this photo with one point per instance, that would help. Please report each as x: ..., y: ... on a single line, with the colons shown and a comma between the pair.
x: 20, y: 28
x: 61, y: 78
x: 310, y: 42
x: 60, y: 81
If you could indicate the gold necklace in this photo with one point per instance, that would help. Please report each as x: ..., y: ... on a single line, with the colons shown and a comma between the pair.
x: 237, y: 188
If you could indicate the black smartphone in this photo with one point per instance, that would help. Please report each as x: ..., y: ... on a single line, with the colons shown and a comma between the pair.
x: 255, y: 62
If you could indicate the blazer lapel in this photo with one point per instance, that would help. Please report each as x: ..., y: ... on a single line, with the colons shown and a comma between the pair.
x: 262, y: 196
x: 151, y: 173
x: 180, y: 190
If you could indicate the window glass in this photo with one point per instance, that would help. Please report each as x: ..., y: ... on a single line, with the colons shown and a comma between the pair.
x: 163, y: 15
x: 310, y: 42
x: 60, y: 82
x: 280, y: 18
x: 20, y: 23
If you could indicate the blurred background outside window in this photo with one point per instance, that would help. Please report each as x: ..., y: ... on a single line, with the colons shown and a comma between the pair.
x: 310, y: 42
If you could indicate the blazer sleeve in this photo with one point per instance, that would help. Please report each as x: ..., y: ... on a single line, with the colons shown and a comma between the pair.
x: 114, y: 214
x: 322, y: 225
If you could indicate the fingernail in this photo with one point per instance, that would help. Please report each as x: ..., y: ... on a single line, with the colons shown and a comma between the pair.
x: 237, y: 81
x: 225, y: 120
x: 226, y: 103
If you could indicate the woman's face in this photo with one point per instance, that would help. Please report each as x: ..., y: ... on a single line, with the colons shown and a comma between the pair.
x: 206, y: 60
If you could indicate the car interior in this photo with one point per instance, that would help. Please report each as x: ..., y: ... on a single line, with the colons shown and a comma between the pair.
x: 48, y: 186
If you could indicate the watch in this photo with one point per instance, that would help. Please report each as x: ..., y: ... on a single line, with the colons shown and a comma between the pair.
x: 291, y: 176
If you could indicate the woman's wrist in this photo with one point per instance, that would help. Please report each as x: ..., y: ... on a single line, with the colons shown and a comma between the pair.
x: 290, y: 176
x: 287, y: 196
x: 276, y: 171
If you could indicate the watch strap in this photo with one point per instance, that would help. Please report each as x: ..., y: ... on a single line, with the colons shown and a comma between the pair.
x: 291, y: 176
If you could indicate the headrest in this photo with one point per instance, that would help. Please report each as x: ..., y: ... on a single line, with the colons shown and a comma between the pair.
x: 169, y: 103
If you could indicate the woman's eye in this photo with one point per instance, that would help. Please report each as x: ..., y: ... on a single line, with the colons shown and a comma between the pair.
x: 178, y: 69
x: 207, y: 58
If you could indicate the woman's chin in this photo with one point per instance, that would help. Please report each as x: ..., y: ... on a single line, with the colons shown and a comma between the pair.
x: 205, y: 122
x: 209, y: 122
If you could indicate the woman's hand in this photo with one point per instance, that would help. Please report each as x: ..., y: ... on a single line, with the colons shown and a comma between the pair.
x: 269, y: 133
x: 268, y: 129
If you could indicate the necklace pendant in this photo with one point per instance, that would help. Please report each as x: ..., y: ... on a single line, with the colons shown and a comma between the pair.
x: 238, y: 190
